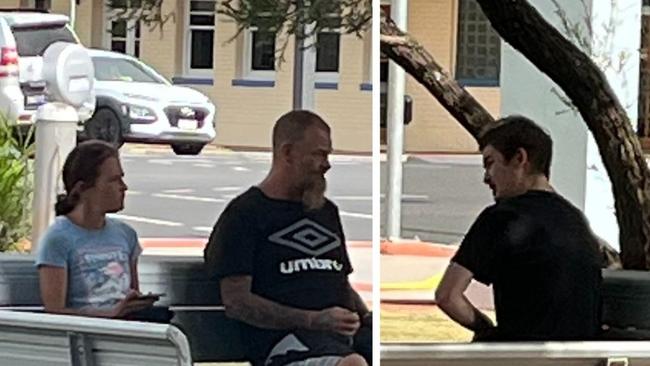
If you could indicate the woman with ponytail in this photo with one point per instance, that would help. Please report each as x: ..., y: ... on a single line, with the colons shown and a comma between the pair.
x: 87, y: 262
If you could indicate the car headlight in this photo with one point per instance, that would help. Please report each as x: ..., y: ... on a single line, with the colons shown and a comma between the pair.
x: 140, y: 113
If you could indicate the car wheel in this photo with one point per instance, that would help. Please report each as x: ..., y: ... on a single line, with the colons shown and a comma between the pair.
x: 105, y: 125
x: 187, y: 149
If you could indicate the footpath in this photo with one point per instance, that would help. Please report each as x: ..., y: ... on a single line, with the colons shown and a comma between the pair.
x: 411, y: 271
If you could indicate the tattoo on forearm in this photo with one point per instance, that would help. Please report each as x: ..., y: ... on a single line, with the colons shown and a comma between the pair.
x: 263, y: 313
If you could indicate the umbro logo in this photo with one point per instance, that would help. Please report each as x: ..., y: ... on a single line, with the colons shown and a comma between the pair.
x: 307, y: 237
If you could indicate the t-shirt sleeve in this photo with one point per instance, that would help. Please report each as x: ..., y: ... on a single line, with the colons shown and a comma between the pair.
x: 135, y: 249
x: 231, y: 247
x: 52, y: 250
x: 481, y: 249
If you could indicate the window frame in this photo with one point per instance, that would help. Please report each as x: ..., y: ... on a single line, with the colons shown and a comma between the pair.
x: 492, y: 81
x: 130, y: 38
x: 329, y: 76
x: 247, y: 61
x: 187, y: 39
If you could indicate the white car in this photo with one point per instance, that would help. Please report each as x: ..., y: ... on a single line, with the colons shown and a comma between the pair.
x: 24, y: 37
x: 135, y: 103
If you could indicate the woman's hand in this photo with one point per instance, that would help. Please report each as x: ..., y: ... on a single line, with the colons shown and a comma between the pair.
x: 132, y: 302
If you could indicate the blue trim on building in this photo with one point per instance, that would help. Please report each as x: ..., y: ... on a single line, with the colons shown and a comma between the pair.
x: 478, y: 82
x: 326, y: 85
x: 365, y: 86
x: 254, y: 83
x: 179, y: 80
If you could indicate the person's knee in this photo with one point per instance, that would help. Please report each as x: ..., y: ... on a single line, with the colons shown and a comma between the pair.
x: 352, y: 360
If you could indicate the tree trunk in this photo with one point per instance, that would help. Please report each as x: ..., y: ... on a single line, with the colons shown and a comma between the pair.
x: 643, y: 127
x: 404, y: 50
x: 519, y: 24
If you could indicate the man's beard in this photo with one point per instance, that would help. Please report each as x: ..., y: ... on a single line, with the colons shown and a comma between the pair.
x: 313, y: 196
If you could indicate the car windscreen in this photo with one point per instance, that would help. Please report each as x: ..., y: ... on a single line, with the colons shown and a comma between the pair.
x: 33, y: 41
x: 118, y: 69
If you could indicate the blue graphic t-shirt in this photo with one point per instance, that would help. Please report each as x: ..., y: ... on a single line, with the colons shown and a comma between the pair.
x: 98, y: 262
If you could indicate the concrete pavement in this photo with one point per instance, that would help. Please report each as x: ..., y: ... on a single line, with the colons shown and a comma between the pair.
x: 411, y: 271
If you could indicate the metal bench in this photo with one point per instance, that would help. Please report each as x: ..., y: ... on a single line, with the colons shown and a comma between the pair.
x: 193, y: 297
x: 36, y: 339
x: 617, y: 353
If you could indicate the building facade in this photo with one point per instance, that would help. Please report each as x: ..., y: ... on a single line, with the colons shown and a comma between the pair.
x: 462, y: 41
x: 197, y: 48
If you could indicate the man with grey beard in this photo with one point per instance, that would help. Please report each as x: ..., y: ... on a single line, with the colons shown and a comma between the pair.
x: 278, y: 251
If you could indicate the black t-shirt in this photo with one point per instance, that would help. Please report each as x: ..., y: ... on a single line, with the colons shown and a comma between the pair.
x: 538, y: 252
x: 296, y: 257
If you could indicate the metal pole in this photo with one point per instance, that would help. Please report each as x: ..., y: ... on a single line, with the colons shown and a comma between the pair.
x: 56, y: 136
x: 395, y: 119
x: 73, y: 12
x: 304, y: 65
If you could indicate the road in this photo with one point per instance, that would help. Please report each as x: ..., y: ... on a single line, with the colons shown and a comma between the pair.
x: 443, y: 194
x: 182, y: 196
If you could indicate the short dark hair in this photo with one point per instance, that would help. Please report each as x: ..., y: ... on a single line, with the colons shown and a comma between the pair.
x: 514, y: 132
x: 291, y: 127
x: 82, y: 165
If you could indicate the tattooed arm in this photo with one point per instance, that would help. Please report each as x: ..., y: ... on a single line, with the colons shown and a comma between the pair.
x: 359, y: 305
x: 243, y: 305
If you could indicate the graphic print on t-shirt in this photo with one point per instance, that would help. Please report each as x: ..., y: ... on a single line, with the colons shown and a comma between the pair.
x: 105, y: 274
x: 307, y: 237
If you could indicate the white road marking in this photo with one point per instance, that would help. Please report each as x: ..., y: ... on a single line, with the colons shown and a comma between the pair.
x: 180, y: 190
x: 188, y: 198
x: 147, y: 220
x: 160, y: 161
x: 202, y: 165
x: 352, y: 198
x: 186, y: 160
x: 205, y: 229
x: 133, y: 193
x: 356, y: 215
x: 241, y: 169
x: 411, y: 196
x: 220, y: 189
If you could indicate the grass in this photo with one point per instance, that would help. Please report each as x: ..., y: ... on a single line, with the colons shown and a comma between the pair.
x: 420, y: 323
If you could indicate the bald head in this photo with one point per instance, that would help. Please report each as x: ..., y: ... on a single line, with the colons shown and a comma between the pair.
x: 291, y: 127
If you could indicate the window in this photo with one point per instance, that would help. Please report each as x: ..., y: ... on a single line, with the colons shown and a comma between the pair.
x: 116, y: 69
x: 122, y: 35
x: 258, y: 61
x: 478, y: 58
x: 42, y: 4
x: 259, y: 52
x: 200, y: 36
x: 33, y: 41
x: 327, y: 52
x: 263, y: 50
x: 125, y: 37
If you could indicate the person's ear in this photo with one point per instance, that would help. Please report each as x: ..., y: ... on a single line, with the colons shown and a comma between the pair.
x: 521, y: 157
x: 285, y: 152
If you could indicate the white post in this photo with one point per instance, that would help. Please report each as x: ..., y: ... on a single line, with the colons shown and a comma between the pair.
x: 395, y: 120
x: 304, y: 68
x: 73, y: 12
x: 56, y: 136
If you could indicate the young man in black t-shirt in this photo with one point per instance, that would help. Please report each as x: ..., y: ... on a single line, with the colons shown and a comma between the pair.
x: 533, y: 246
x: 279, y: 253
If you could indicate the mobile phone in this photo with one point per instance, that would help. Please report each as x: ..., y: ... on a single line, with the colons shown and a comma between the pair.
x: 150, y: 296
